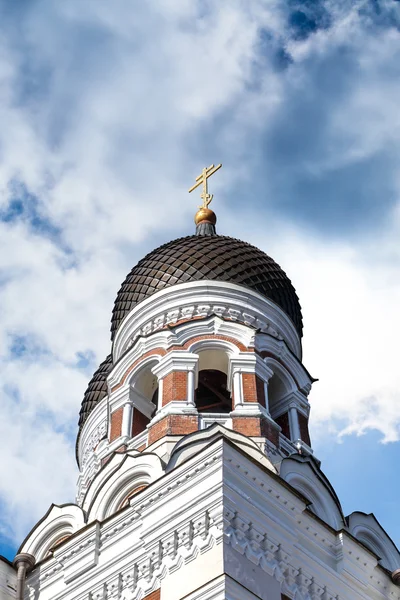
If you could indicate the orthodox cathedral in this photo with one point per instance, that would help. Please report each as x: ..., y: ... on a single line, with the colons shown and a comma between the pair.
x: 197, y: 477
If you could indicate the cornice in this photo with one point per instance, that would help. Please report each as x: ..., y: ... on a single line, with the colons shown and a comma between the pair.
x: 201, y: 299
x: 219, y: 494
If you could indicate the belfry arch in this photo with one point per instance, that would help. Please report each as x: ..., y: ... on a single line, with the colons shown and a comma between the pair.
x: 212, y: 394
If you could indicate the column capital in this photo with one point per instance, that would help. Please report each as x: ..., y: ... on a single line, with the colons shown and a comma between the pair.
x: 177, y: 360
x: 298, y: 400
x: 263, y: 370
x: 244, y: 362
x: 249, y: 362
x: 119, y: 397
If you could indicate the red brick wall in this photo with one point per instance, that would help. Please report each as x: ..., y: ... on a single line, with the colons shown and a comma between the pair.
x: 249, y: 387
x: 253, y: 388
x: 247, y: 425
x: 283, y: 422
x: 303, y: 425
x: 174, y: 387
x: 154, y: 595
x: 173, y: 425
x: 139, y: 422
x: 256, y: 427
x: 270, y: 432
x: 116, y: 423
x: 260, y: 391
x: 162, y: 352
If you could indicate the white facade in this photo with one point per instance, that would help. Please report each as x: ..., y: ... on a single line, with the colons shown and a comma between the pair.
x: 215, y: 522
x: 209, y: 512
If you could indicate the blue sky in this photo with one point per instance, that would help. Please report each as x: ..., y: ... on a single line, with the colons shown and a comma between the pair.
x: 106, y: 116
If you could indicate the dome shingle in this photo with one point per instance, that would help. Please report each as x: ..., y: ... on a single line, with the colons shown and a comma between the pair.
x: 196, y: 258
x: 96, y: 390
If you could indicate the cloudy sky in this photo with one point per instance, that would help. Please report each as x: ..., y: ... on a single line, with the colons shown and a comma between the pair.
x: 107, y: 113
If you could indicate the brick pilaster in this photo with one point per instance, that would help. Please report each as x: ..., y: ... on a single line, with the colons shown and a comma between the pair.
x: 253, y: 388
x: 249, y: 387
x: 175, y: 387
x: 116, y: 424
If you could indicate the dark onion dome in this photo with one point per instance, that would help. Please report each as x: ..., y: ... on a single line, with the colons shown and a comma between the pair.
x: 96, y: 390
x: 201, y: 257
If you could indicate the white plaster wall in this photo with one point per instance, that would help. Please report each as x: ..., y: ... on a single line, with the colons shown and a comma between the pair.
x: 250, y: 576
x: 218, y: 513
x: 8, y: 581
x: 195, y: 575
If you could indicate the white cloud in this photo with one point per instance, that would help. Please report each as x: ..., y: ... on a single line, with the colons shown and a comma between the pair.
x: 106, y: 113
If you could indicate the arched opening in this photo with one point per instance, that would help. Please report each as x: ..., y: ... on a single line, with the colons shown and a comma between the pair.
x: 144, y: 396
x: 131, y: 494
x: 154, y: 398
x: 145, y: 384
x: 277, y: 389
x: 212, y: 394
x: 57, y: 543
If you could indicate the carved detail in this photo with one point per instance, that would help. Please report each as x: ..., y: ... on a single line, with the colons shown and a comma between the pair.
x: 261, y: 550
x: 183, y: 313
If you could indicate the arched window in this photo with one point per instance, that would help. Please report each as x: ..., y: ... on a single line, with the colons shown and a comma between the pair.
x: 130, y: 495
x: 212, y: 394
x: 57, y: 543
x: 145, y: 384
x: 280, y: 386
x: 277, y: 389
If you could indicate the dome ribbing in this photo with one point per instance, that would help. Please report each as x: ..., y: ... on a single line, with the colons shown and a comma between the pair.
x: 96, y: 390
x: 197, y: 258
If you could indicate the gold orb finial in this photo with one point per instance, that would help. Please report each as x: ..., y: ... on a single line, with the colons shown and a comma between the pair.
x: 205, y: 215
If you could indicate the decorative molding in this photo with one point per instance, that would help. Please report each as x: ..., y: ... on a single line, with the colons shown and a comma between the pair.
x: 91, y: 442
x: 59, y: 522
x: 200, y: 299
x: 369, y: 532
x: 163, y: 556
x: 216, y: 494
x: 124, y: 473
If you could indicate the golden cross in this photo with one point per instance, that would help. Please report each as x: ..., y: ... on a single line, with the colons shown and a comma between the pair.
x: 203, y: 179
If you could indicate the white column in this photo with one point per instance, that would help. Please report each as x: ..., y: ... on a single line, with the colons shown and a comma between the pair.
x: 265, y: 373
x: 266, y: 397
x: 160, y: 394
x: 190, y: 387
x: 237, y: 388
x: 294, y: 423
x: 127, y: 413
x: 180, y: 361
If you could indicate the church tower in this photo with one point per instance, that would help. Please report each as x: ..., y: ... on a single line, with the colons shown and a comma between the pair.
x: 197, y: 478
